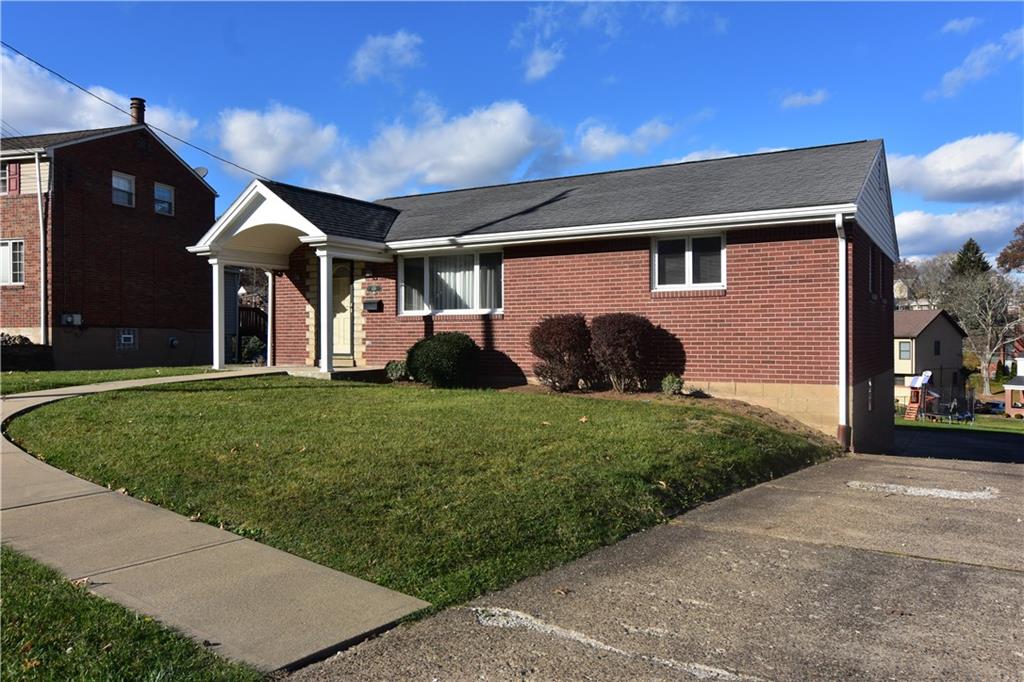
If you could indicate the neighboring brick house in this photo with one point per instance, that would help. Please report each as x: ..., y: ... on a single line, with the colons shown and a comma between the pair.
x: 737, y: 259
x: 928, y: 340
x: 118, y: 208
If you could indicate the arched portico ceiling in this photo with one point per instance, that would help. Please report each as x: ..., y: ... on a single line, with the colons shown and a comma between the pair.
x: 261, y: 229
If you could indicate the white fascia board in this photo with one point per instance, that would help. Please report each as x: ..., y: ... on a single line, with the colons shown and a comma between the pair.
x: 722, y: 221
x: 250, y: 259
x: 343, y: 241
x: 18, y: 153
x: 879, y: 159
x: 225, y: 217
x: 132, y: 129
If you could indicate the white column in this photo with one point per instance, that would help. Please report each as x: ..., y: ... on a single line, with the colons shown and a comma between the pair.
x: 218, y: 313
x: 326, y: 312
x: 270, y: 318
x: 844, y: 383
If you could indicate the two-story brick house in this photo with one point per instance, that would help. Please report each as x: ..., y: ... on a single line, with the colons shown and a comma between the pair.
x: 110, y: 283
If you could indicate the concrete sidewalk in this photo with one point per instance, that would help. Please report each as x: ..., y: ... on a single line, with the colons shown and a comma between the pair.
x: 245, y: 600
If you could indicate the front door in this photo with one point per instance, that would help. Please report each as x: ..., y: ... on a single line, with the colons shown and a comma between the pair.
x: 343, y: 309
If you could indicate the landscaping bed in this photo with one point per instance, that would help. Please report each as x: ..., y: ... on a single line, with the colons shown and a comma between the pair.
x: 51, y: 629
x: 22, y: 382
x: 442, y: 494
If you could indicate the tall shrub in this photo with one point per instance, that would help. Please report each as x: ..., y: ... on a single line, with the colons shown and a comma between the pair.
x: 562, y: 343
x: 447, y: 359
x: 623, y: 348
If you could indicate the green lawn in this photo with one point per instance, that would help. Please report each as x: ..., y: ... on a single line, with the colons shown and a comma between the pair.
x: 443, y: 494
x: 983, y: 422
x: 53, y: 630
x: 21, y: 382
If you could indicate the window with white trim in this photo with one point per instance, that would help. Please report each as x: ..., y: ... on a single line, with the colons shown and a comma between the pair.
x: 696, y: 262
x: 163, y: 199
x: 3, y: 177
x: 12, y: 261
x: 904, y: 350
x: 123, y: 189
x: 451, y: 283
x: 127, y: 338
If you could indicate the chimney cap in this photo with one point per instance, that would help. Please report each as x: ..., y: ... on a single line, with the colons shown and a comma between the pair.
x: 138, y: 110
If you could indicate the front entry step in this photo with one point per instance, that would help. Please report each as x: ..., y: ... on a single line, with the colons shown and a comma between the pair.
x: 344, y: 361
x: 373, y: 375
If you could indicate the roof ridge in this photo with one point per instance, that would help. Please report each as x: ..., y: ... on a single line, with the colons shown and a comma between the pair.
x: 628, y: 170
x: 333, y: 194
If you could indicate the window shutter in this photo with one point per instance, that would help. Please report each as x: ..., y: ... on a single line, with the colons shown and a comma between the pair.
x: 14, y: 178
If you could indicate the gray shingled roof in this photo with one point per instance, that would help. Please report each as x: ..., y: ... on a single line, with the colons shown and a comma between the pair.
x: 908, y: 324
x: 42, y: 141
x: 813, y: 176
x: 335, y: 214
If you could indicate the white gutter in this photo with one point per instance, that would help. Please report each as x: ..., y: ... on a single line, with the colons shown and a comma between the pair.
x: 636, y: 228
x: 44, y: 331
x: 844, y: 385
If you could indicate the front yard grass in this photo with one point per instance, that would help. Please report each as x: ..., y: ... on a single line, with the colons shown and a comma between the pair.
x: 442, y: 494
x: 53, y: 630
x: 21, y: 382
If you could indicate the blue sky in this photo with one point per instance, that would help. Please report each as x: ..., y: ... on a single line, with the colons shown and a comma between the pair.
x: 381, y: 99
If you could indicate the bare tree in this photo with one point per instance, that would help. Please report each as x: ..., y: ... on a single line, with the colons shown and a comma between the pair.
x: 933, y: 279
x: 988, y: 306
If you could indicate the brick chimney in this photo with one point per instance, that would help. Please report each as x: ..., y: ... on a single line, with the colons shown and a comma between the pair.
x: 138, y: 109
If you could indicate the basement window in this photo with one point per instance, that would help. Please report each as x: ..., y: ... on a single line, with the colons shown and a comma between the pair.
x: 681, y: 263
x: 12, y: 261
x: 123, y: 189
x: 451, y: 283
x: 163, y: 199
x: 127, y: 338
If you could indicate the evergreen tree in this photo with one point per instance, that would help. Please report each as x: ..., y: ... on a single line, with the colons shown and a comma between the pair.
x: 970, y: 260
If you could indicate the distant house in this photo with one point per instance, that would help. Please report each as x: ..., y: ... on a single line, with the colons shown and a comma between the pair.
x: 770, y: 274
x: 112, y: 285
x: 928, y: 340
x: 907, y: 298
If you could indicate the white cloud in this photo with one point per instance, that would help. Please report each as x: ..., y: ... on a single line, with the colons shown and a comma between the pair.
x: 382, y: 56
x: 924, y: 234
x: 541, y: 61
x: 275, y: 141
x: 986, y: 167
x: 702, y: 155
x: 484, y: 146
x: 979, y: 63
x: 671, y: 14
x: 602, y: 16
x: 36, y: 102
x: 599, y: 141
x: 961, y: 25
x: 805, y: 99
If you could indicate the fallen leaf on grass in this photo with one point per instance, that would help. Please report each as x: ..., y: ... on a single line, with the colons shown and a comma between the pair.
x: 546, y: 423
x: 584, y: 419
x: 29, y: 664
x: 194, y: 517
x: 81, y: 582
x: 107, y: 647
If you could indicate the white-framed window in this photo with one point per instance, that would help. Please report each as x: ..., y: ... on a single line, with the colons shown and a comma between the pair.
x: 12, y: 261
x: 3, y: 177
x: 904, y: 350
x: 163, y: 199
x: 123, y: 189
x: 680, y: 263
x: 451, y: 283
x: 127, y: 338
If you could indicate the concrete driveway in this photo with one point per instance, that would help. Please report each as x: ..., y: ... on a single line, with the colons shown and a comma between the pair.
x: 861, y: 568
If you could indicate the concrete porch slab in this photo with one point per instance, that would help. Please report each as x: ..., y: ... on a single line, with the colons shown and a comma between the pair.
x: 374, y: 375
x: 257, y: 604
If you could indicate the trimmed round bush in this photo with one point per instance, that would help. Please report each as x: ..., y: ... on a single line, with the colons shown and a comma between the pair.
x: 395, y: 370
x: 562, y: 343
x: 622, y: 344
x: 672, y: 384
x: 447, y: 359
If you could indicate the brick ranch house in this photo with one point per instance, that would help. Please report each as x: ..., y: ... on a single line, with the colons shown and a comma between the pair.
x: 113, y: 285
x: 770, y: 273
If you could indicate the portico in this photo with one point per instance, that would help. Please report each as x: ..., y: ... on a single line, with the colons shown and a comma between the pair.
x: 266, y: 228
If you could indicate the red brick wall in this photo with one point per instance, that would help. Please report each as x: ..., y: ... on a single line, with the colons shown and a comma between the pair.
x: 290, y: 310
x: 19, y: 219
x: 871, y: 314
x: 775, y: 323
x: 121, y: 266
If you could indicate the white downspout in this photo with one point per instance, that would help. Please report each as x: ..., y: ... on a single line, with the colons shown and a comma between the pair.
x: 844, y: 384
x: 44, y: 329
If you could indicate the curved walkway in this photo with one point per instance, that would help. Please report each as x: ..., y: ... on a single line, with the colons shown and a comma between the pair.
x: 245, y: 600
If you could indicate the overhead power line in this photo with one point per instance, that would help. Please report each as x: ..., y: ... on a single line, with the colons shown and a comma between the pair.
x: 123, y: 111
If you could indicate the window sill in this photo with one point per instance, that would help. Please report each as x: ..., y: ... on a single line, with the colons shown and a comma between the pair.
x: 13, y: 285
x: 492, y: 313
x: 688, y: 293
